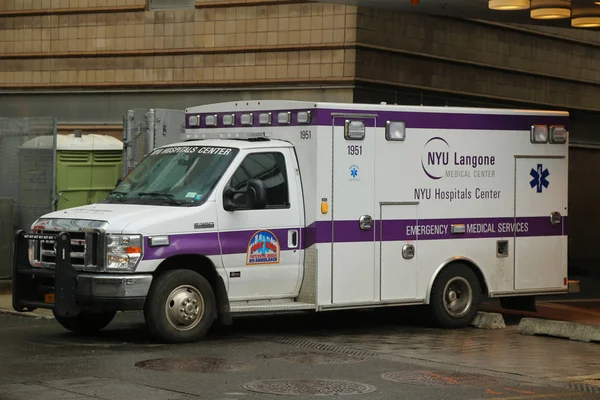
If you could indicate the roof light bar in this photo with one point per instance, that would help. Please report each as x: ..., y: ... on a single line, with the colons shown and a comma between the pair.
x: 210, y: 120
x: 284, y: 118
x: 265, y: 118
x: 229, y: 119
x: 226, y: 135
x: 247, y: 119
x: 194, y: 120
x: 303, y: 117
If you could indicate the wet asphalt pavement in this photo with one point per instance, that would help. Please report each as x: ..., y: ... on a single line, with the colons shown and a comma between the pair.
x: 362, y: 354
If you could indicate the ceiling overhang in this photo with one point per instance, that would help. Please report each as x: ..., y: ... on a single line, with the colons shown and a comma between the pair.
x: 480, y: 10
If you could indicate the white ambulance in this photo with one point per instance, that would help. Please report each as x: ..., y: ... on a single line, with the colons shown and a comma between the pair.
x: 278, y: 206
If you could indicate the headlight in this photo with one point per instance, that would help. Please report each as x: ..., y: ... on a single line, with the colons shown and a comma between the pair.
x: 123, y: 252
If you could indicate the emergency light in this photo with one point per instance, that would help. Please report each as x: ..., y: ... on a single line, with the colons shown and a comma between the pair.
x: 226, y: 135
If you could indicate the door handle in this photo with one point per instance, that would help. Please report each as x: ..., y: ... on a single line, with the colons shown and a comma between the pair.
x: 292, y: 239
x: 365, y: 222
x: 555, y: 218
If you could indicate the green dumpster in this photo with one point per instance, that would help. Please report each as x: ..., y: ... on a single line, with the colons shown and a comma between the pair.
x: 87, y: 166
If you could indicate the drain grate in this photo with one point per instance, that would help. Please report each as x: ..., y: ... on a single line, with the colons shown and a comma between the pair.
x: 203, y: 364
x: 430, y: 378
x: 315, y: 387
x: 308, y: 357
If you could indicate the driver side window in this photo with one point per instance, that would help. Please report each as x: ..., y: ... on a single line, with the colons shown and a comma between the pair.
x: 269, y: 168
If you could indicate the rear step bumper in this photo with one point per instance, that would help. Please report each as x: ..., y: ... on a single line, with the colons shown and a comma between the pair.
x: 574, y: 286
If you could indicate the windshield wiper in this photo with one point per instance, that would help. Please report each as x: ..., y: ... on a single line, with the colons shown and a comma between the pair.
x: 119, y: 196
x: 166, y: 196
x: 116, y: 192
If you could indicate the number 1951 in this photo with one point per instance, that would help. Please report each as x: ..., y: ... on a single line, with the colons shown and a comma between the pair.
x: 355, y: 150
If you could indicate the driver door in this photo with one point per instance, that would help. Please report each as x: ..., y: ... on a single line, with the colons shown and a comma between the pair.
x: 261, y: 249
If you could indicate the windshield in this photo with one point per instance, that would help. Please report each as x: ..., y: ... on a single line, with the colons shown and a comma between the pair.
x: 183, y: 175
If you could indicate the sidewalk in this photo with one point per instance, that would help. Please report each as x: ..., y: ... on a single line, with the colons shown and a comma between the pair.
x: 7, y: 308
x: 578, y: 311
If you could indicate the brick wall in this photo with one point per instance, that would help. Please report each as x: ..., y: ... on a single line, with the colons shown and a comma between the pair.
x: 244, y: 42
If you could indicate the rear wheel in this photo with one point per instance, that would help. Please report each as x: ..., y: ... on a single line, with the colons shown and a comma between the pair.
x: 455, y: 297
x: 180, y: 306
x: 86, y: 322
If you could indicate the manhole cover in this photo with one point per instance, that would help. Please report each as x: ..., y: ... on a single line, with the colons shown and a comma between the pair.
x: 314, y: 357
x: 317, y: 387
x: 430, y: 378
x: 193, y: 365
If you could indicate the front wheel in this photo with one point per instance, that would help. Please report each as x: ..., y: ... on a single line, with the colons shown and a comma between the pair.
x: 86, y: 322
x: 180, y: 306
x: 455, y: 297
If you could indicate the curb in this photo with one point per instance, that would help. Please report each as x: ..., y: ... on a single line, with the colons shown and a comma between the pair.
x: 562, y: 329
x: 32, y: 315
x: 5, y: 286
x: 487, y: 320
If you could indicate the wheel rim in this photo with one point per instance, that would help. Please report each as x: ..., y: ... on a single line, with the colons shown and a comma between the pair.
x: 184, y: 308
x: 458, y: 296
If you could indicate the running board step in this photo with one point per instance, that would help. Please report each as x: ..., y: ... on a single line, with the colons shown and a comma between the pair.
x: 272, y: 307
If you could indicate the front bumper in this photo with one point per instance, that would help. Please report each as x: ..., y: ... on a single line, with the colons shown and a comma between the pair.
x: 68, y: 291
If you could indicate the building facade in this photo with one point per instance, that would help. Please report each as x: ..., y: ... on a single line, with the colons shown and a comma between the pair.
x: 87, y: 62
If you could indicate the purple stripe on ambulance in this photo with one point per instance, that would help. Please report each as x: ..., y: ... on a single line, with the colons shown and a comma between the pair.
x: 237, y: 242
x: 413, y: 119
x: 438, y: 229
x: 191, y: 243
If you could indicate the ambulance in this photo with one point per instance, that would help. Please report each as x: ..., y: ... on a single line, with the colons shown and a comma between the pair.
x: 286, y: 206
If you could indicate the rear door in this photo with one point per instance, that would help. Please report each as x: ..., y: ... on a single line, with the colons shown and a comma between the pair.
x: 540, y: 249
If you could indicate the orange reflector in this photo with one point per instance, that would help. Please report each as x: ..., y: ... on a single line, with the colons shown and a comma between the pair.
x: 133, y: 250
x: 414, y: 2
x: 324, y: 207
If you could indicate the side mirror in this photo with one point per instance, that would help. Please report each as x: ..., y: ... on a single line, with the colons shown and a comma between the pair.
x: 255, y: 193
x: 228, y: 194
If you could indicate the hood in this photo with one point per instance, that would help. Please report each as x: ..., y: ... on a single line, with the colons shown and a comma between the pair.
x: 134, y: 218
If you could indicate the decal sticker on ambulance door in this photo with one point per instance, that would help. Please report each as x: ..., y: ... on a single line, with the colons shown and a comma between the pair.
x: 263, y: 248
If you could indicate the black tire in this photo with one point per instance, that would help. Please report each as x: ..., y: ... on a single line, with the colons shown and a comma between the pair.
x: 164, y: 322
x: 86, y: 322
x: 460, y: 277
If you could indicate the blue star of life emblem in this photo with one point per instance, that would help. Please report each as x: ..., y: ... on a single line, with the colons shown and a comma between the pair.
x: 354, y: 172
x: 539, y: 178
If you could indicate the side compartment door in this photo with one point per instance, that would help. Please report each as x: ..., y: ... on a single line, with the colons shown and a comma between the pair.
x: 540, y: 206
x: 399, y: 251
x: 353, y: 210
x: 261, y: 248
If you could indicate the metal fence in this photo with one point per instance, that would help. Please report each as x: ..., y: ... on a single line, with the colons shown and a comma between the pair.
x: 146, y: 129
x: 27, y: 177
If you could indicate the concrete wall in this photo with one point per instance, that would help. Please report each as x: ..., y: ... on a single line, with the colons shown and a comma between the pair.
x: 481, y: 59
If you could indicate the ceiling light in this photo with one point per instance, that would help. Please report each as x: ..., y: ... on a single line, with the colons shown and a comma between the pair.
x: 550, y: 9
x: 586, y: 17
x: 508, y: 5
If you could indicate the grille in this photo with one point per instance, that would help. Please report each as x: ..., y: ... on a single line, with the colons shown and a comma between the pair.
x: 73, y: 157
x: 102, y: 157
x: 83, y: 250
